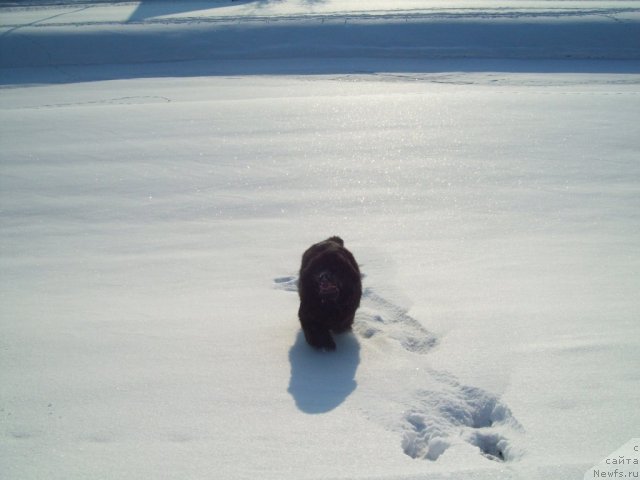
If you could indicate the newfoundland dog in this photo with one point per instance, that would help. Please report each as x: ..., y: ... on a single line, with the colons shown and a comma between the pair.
x: 330, y: 289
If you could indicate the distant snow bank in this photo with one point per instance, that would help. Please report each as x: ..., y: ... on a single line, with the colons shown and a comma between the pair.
x: 35, y: 37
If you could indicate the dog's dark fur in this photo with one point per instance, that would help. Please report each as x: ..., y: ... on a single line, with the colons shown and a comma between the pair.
x: 330, y: 288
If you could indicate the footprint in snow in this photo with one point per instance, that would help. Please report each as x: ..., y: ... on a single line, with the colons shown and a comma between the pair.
x: 290, y: 284
x: 453, y: 413
x: 379, y: 316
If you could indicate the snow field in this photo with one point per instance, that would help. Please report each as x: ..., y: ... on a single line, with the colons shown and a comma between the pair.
x: 153, y: 217
x: 144, y: 223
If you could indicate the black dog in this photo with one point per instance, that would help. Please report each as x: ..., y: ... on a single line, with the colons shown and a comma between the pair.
x: 330, y: 289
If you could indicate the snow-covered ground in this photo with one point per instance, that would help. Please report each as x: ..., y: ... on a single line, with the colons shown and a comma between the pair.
x: 163, y: 165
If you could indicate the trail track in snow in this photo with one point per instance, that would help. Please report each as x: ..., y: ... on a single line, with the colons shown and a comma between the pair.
x: 441, y: 412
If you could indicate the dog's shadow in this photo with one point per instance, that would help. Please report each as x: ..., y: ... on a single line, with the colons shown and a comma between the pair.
x: 321, y: 381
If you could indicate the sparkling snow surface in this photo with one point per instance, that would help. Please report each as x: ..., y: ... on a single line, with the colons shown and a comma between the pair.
x: 153, y: 218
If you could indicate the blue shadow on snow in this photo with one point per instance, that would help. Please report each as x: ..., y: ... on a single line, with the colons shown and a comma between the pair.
x: 321, y: 381
x: 148, y: 9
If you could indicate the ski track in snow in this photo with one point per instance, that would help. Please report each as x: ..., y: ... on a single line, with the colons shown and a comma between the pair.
x: 434, y: 419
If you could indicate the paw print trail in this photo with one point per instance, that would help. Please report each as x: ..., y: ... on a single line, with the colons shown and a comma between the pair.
x: 438, y: 412
x: 379, y: 316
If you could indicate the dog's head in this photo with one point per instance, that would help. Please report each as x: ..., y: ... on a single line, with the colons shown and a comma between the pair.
x: 328, y: 286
